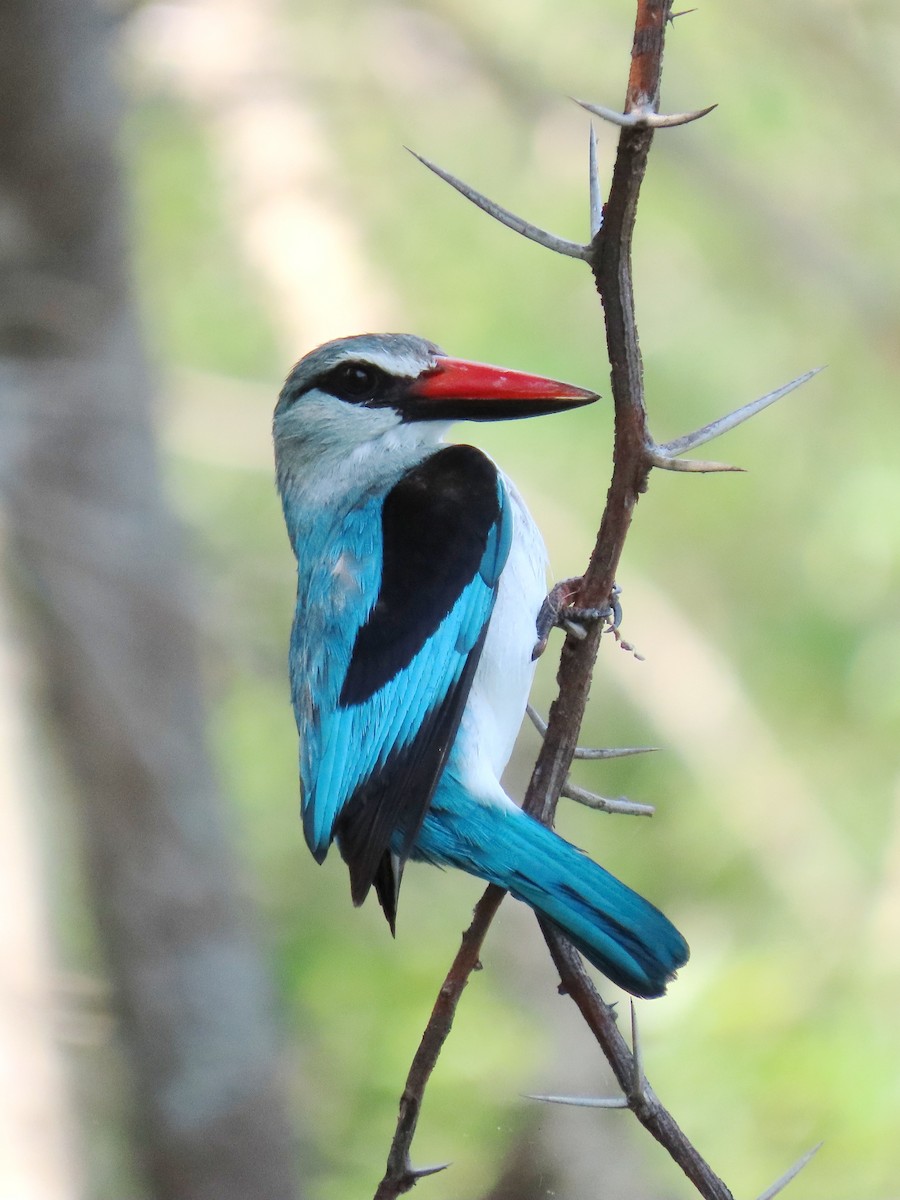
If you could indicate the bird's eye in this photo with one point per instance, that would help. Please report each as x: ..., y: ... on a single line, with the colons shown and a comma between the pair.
x: 355, y: 381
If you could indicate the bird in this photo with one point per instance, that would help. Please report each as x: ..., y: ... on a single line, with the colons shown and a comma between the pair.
x: 420, y: 577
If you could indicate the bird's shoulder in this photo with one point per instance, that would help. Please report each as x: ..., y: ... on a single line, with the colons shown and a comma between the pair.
x: 444, y: 525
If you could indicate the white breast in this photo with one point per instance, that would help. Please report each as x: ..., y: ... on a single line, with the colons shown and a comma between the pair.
x: 496, y: 704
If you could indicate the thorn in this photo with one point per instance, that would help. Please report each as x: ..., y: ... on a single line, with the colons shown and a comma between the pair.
x: 639, y: 1080
x: 643, y: 118
x: 413, y: 1174
x: 582, y: 1101
x: 596, y: 193
x: 780, y: 1184
x: 673, y: 17
x: 601, y: 753
x: 696, y: 466
x: 628, y: 808
x: 658, y: 121
x: 536, y: 719
x: 591, y: 753
x: 535, y: 234
x: 609, y: 114
x: 670, y: 450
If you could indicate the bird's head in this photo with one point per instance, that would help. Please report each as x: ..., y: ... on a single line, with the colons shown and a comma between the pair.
x: 399, y: 392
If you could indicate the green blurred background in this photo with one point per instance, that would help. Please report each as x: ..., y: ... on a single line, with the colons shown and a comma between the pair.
x: 274, y: 206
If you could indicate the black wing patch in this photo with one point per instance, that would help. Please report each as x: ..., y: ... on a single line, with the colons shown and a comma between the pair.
x: 438, y: 522
x: 435, y: 526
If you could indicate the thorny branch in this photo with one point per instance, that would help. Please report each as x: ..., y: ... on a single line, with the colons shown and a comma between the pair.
x: 400, y: 1175
x: 634, y: 455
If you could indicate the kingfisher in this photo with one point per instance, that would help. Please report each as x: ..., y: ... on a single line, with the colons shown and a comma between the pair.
x: 420, y: 579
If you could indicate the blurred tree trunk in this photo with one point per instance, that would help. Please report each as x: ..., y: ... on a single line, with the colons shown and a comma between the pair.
x: 99, y: 561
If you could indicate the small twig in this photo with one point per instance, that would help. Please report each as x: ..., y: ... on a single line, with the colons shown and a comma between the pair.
x: 400, y: 1176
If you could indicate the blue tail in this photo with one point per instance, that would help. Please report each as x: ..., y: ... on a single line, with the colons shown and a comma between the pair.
x: 618, y: 931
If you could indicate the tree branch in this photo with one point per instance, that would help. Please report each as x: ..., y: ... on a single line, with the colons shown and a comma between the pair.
x: 610, y: 263
x: 400, y: 1176
x: 600, y: 1018
x: 634, y: 455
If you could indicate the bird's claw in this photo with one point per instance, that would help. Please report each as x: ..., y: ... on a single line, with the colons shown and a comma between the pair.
x: 557, y: 612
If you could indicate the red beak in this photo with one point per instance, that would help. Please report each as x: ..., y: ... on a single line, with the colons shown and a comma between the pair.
x: 455, y: 389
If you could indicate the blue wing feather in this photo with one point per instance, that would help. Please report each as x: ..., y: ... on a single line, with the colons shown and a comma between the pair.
x: 356, y: 741
x: 399, y: 644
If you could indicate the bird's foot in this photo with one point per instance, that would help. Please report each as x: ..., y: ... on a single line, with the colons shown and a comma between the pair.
x: 558, y: 612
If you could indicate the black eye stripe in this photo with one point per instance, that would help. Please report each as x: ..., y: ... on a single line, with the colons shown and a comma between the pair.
x: 354, y: 381
x: 357, y: 383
